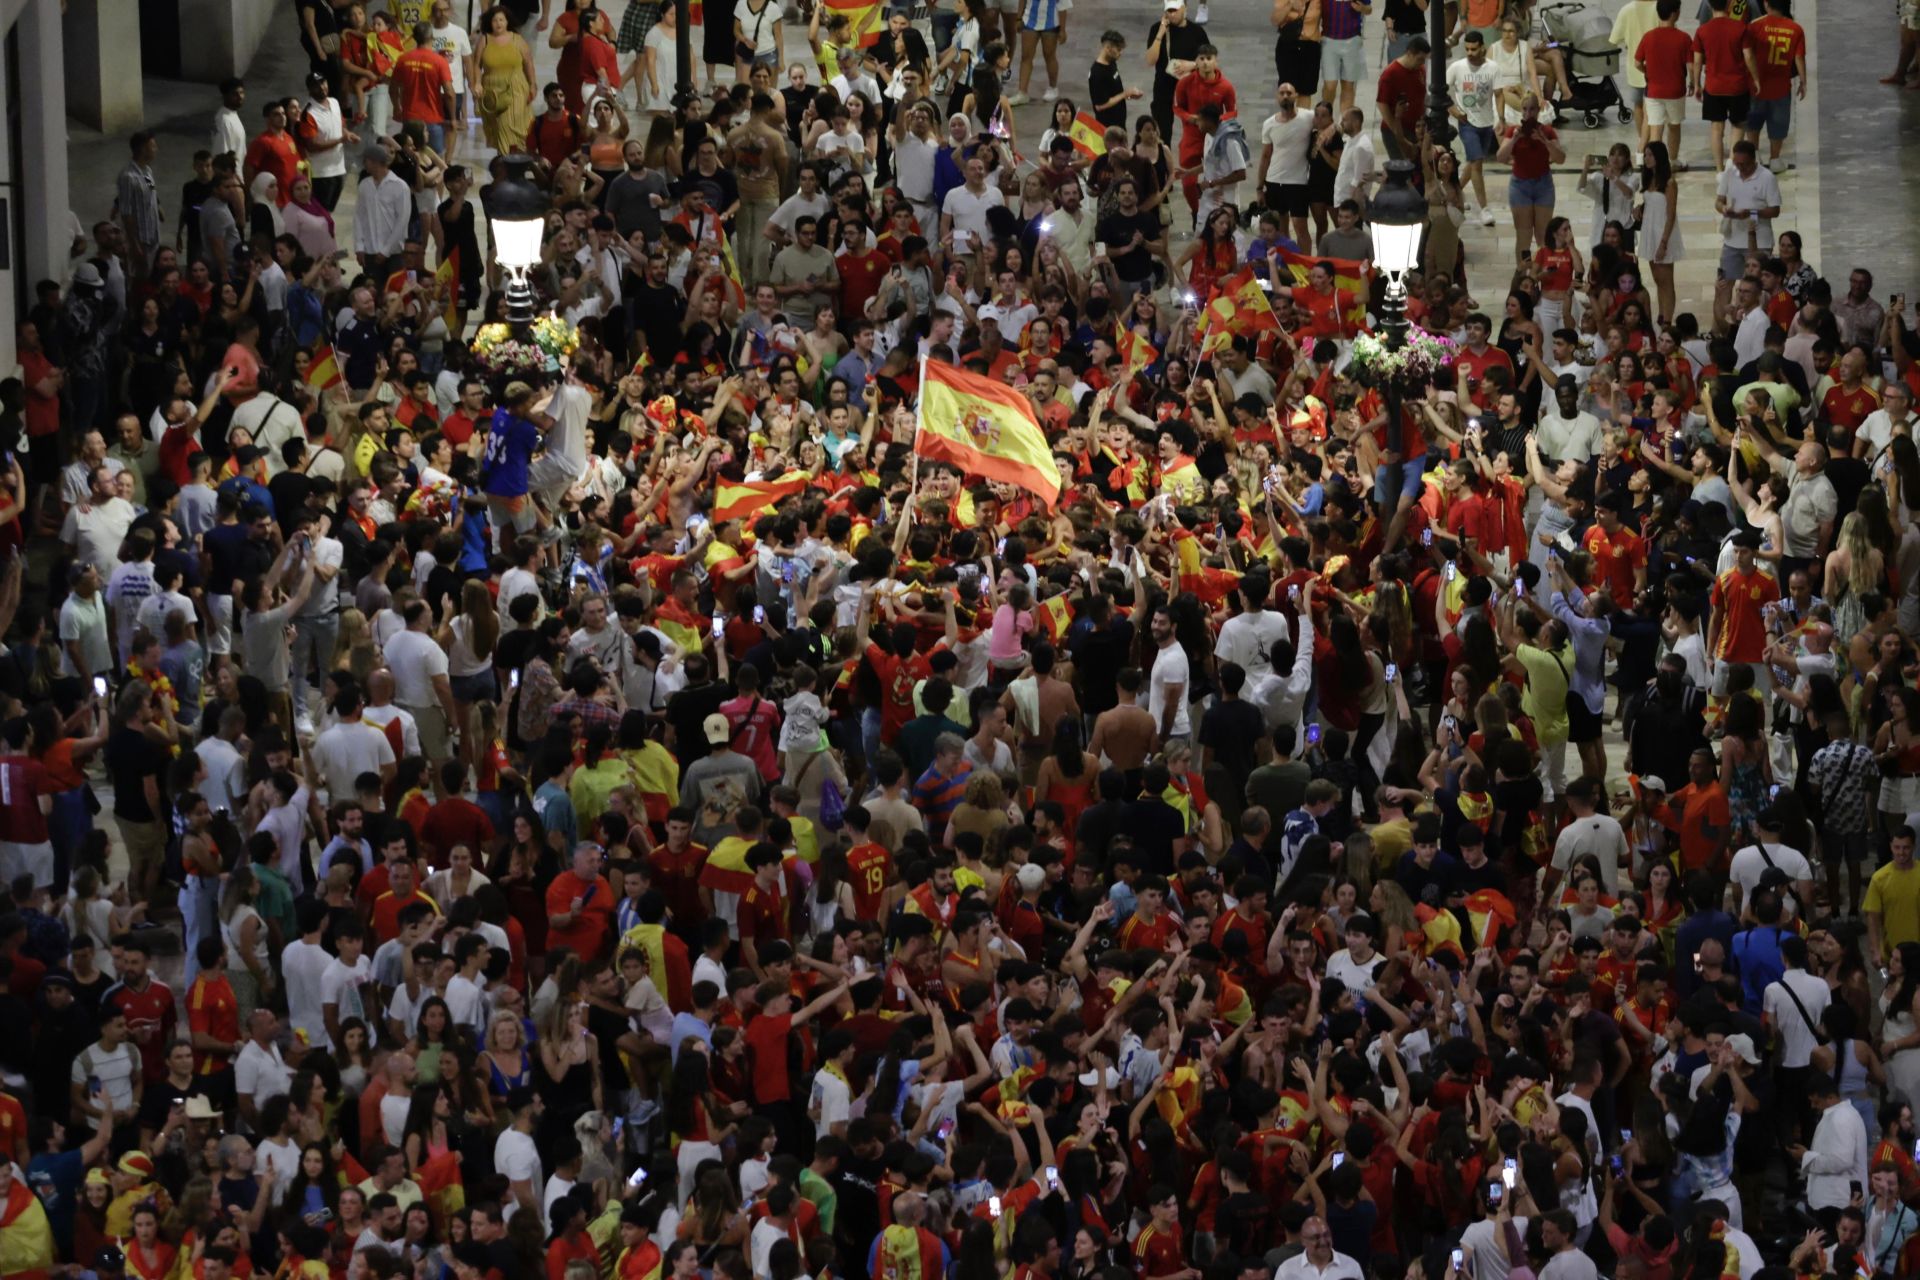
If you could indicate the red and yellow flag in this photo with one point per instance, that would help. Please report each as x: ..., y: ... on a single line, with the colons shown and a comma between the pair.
x: 1238, y: 308
x: 447, y: 276
x: 864, y: 16
x: 1348, y: 273
x: 1135, y: 351
x: 985, y: 428
x: 1055, y: 615
x: 751, y: 497
x: 323, y: 370
x: 681, y: 627
x: 1089, y: 136
x: 441, y: 1184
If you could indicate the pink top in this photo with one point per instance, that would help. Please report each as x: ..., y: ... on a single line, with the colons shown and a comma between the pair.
x: 1008, y: 626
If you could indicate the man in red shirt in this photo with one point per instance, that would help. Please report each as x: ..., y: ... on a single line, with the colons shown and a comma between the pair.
x: 403, y: 893
x: 1402, y: 98
x: 1327, y: 307
x: 1725, y: 75
x: 1778, y: 47
x: 213, y: 1015
x: 1665, y: 58
x: 459, y: 426
x: 762, y: 915
x: 1619, y: 554
x: 453, y: 820
x: 1738, y: 630
x: 580, y: 906
x: 769, y: 1036
x: 43, y: 381
x: 148, y: 1006
x: 861, y: 270
x: 422, y: 88
x: 275, y: 151
x: 1850, y: 401
x: 1478, y: 355
x: 1204, y: 85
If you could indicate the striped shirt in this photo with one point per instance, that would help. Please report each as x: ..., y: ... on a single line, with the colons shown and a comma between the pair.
x: 138, y: 202
x: 938, y: 794
x: 1339, y: 20
x: 1040, y: 15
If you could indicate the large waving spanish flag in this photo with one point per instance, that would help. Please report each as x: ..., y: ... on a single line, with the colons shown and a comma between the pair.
x: 1238, y: 308
x: 985, y: 428
x: 1348, y: 273
x: 750, y: 498
x: 1089, y: 136
x: 865, y: 17
x: 323, y: 370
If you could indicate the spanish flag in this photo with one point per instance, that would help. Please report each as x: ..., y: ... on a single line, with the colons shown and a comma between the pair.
x: 323, y: 370
x: 1089, y: 136
x: 864, y: 16
x: 726, y: 867
x: 447, y: 276
x: 985, y: 428
x: 1055, y: 614
x: 1491, y: 914
x: 1238, y: 308
x: 440, y: 1183
x: 1348, y: 274
x: 1135, y: 350
x: 750, y: 498
x: 680, y: 626
x: 26, y: 1238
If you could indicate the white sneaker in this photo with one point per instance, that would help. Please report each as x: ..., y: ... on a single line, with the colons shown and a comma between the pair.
x: 1486, y: 217
x: 1017, y: 99
x: 1051, y: 95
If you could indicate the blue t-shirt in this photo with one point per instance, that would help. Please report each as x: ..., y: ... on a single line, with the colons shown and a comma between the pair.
x: 510, y: 446
x: 56, y: 1180
x: 226, y: 547
x: 476, y: 540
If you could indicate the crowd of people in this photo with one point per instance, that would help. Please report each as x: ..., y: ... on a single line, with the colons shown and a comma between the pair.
x: 634, y: 811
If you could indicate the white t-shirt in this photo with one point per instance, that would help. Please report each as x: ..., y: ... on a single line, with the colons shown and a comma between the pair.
x: 758, y: 28
x: 1355, y: 976
x: 302, y: 964
x: 346, y: 751
x: 1796, y: 1034
x: 115, y: 1071
x: 1248, y: 639
x: 517, y: 1160
x: 1761, y: 191
x: 832, y: 1100
x: 332, y: 162
x: 261, y: 1074
x: 515, y: 583
x: 415, y: 658
x: 451, y: 43
x: 1751, y: 863
x: 341, y: 987
x: 286, y: 1162
x: 1472, y: 88
x: 1290, y: 140
x: 1488, y: 1262
x: 1170, y: 668
x: 968, y: 210
x: 1598, y: 834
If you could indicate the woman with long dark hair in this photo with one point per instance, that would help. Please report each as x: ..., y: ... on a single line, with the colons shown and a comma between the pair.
x: 1900, y: 1021
x: 1660, y: 242
x: 1068, y: 775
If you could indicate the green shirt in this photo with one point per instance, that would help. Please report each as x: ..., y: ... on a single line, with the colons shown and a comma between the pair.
x: 824, y: 1197
x: 1546, y: 696
x: 275, y: 903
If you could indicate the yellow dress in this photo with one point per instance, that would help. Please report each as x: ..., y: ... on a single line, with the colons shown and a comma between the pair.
x: 505, y: 112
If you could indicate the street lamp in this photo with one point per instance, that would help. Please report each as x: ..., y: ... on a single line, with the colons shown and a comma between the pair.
x: 1439, y: 124
x: 517, y: 213
x: 683, y: 53
x: 1398, y: 216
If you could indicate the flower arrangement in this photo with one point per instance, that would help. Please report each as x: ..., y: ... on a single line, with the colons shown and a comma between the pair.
x: 500, y: 354
x: 1422, y: 355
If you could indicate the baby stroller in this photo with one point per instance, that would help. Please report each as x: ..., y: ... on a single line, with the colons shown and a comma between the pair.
x: 1582, y: 33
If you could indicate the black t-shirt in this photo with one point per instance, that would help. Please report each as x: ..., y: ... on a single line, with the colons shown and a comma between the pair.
x: 686, y: 709
x: 323, y: 23
x: 1103, y: 83
x: 1117, y: 230
x: 1181, y: 45
x: 1229, y: 730
x: 289, y: 490
x: 1098, y: 655
x: 235, y: 556
x: 131, y: 759
x: 657, y: 312
x: 607, y: 1028
x: 1155, y: 825
x: 1404, y: 16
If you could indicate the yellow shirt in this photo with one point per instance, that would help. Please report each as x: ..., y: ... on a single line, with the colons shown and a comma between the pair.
x: 1895, y: 894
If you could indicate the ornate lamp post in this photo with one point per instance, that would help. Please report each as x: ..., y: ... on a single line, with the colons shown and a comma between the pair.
x: 682, y: 52
x: 1439, y: 123
x: 517, y: 214
x: 1399, y: 215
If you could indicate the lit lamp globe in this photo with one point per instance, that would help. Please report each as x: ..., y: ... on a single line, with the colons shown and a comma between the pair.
x: 517, y: 215
x: 1397, y: 216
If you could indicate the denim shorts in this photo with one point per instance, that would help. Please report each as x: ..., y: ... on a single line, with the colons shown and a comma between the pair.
x: 1343, y: 60
x: 1775, y: 113
x: 1534, y: 193
x: 1392, y: 479
x: 1479, y: 142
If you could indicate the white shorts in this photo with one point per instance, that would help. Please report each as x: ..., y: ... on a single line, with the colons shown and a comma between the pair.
x: 21, y: 859
x: 1553, y: 771
x: 1666, y: 111
x: 220, y: 626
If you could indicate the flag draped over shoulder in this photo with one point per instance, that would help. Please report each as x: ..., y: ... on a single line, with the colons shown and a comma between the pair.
x: 725, y: 870
x: 1089, y: 136
x: 323, y: 370
x: 680, y: 626
x: 1348, y: 273
x: 440, y: 1183
x: 751, y: 497
x: 985, y: 428
x: 1238, y: 309
x: 864, y: 15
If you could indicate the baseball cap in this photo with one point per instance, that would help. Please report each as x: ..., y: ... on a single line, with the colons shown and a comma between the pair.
x: 1742, y: 1044
x: 717, y: 728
